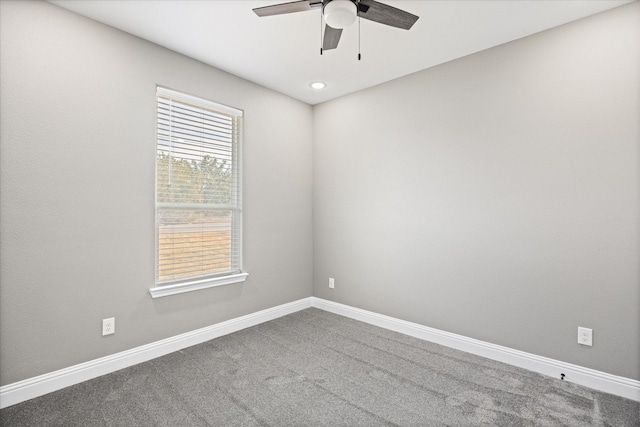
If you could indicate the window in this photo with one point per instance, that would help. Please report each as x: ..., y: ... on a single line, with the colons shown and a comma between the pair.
x: 198, y: 194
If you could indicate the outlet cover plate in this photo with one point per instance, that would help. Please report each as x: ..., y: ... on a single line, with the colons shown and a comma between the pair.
x: 108, y: 326
x: 585, y: 336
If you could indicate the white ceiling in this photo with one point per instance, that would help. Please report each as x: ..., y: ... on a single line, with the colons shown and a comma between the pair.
x: 283, y: 52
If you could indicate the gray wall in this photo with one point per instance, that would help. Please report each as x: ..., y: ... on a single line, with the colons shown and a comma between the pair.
x: 77, y: 184
x: 495, y: 196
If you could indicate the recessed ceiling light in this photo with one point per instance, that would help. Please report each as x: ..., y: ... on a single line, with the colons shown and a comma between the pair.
x: 318, y: 85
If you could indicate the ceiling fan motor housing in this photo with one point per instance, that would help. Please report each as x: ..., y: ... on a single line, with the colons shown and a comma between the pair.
x: 339, y: 14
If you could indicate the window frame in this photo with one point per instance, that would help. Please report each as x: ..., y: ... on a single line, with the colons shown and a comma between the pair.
x: 171, y: 287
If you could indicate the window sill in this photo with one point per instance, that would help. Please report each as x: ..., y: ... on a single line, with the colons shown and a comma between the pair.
x: 164, y: 291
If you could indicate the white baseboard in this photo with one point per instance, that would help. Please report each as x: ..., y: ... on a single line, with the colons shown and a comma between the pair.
x: 12, y: 394
x: 21, y: 391
x: 591, y: 378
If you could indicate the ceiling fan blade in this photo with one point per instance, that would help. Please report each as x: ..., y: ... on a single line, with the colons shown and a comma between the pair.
x: 385, y: 14
x: 331, y: 37
x: 291, y: 7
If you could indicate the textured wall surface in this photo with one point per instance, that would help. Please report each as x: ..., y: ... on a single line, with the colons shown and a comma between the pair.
x: 495, y: 196
x: 77, y: 180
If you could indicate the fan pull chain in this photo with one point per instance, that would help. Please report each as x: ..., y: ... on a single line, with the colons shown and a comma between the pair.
x: 321, y: 33
x: 358, y: 9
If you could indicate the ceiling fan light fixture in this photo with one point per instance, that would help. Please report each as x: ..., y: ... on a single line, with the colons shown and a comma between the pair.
x: 339, y: 14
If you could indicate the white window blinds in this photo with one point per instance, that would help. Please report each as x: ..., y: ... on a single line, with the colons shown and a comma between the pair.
x: 198, y: 191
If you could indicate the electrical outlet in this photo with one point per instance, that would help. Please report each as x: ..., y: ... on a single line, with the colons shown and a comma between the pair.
x: 109, y: 326
x: 585, y: 336
x: 332, y: 282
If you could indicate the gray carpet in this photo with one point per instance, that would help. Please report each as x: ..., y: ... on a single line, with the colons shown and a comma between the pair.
x: 313, y: 368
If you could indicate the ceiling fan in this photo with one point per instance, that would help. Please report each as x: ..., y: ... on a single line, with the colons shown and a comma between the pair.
x: 339, y: 14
